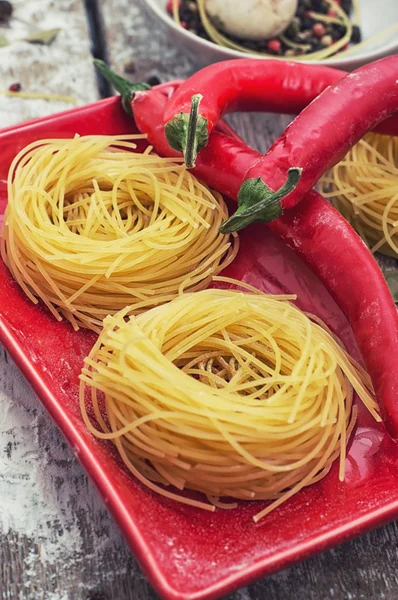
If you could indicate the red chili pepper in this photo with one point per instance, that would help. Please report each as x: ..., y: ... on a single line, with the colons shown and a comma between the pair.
x: 316, y: 140
x: 322, y: 238
x: 245, y: 85
x: 342, y: 262
x: 128, y: 90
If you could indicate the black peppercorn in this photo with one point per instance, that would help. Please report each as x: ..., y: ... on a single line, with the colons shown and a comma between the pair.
x: 356, y: 35
x: 311, y: 34
x: 129, y: 67
x: 346, y: 5
x: 153, y: 80
x: 335, y: 34
x: 5, y: 10
x: 317, y: 5
x: 185, y: 14
x: 300, y: 12
x: 307, y: 23
x: 340, y: 29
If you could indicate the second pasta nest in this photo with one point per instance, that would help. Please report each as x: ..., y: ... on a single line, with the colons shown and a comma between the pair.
x: 364, y: 188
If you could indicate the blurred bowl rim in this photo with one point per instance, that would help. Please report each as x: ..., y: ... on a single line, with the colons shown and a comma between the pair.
x: 355, y: 59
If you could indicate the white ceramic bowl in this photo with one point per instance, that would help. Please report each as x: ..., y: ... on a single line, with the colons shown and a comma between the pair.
x: 375, y: 17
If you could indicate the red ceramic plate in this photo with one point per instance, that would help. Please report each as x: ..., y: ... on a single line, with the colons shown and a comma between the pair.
x: 187, y: 553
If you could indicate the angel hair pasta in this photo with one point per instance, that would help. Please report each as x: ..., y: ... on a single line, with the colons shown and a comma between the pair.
x: 93, y: 225
x: 231, y: 394
x: 364, y: 188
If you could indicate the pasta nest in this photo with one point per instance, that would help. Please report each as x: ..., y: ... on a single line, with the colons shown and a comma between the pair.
x: 92, y: 225
x: 231, y: 394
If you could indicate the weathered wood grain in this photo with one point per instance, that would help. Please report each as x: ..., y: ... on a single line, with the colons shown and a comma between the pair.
x: 58, y: 542
x: 64, y: 68
x: 78, y: 552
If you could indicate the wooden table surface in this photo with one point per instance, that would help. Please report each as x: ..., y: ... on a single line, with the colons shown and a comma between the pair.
x: 57, y: 541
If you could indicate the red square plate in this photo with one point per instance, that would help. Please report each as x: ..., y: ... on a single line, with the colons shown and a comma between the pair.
x: 187, y: 553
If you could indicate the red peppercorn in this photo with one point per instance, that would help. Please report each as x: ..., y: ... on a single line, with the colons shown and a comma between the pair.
x: 184, y: 24
x: 318, y: 30
x: 169, y: 6
x: 274, y: 46
x: 15, y: 87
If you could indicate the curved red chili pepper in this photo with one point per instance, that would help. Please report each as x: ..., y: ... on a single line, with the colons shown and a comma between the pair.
x: 316, y: 140
x: 128, y: 90
x: 244, y: 85
x: 322, y: 238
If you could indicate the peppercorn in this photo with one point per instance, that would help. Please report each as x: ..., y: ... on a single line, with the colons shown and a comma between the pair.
x: 306, y: 22
x: 274, y: 46
x: 186, y: 14
x: 129, y: 67
x: 340, y: 29
x: 6, y: 9
x: 304, y: 36
x: 317, y: 46
x: 319, y: 6
x: 300, y: 12
x: 303, y: 29
x: 15, y: 87
x: 326, y: 41
x: 336, y: 35
x: 356, y: 35
x: 346, y: 5
x: 318, y: 30
x: 153, y: 80
x: 294, y: 27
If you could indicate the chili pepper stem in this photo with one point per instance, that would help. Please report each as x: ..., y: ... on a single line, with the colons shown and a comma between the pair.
x: 190, y: 150
x: 188, y: 133
x: 258, y: 203
x: 126, y: 88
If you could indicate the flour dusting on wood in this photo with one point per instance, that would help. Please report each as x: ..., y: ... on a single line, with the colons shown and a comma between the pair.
x: 63, y: 68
